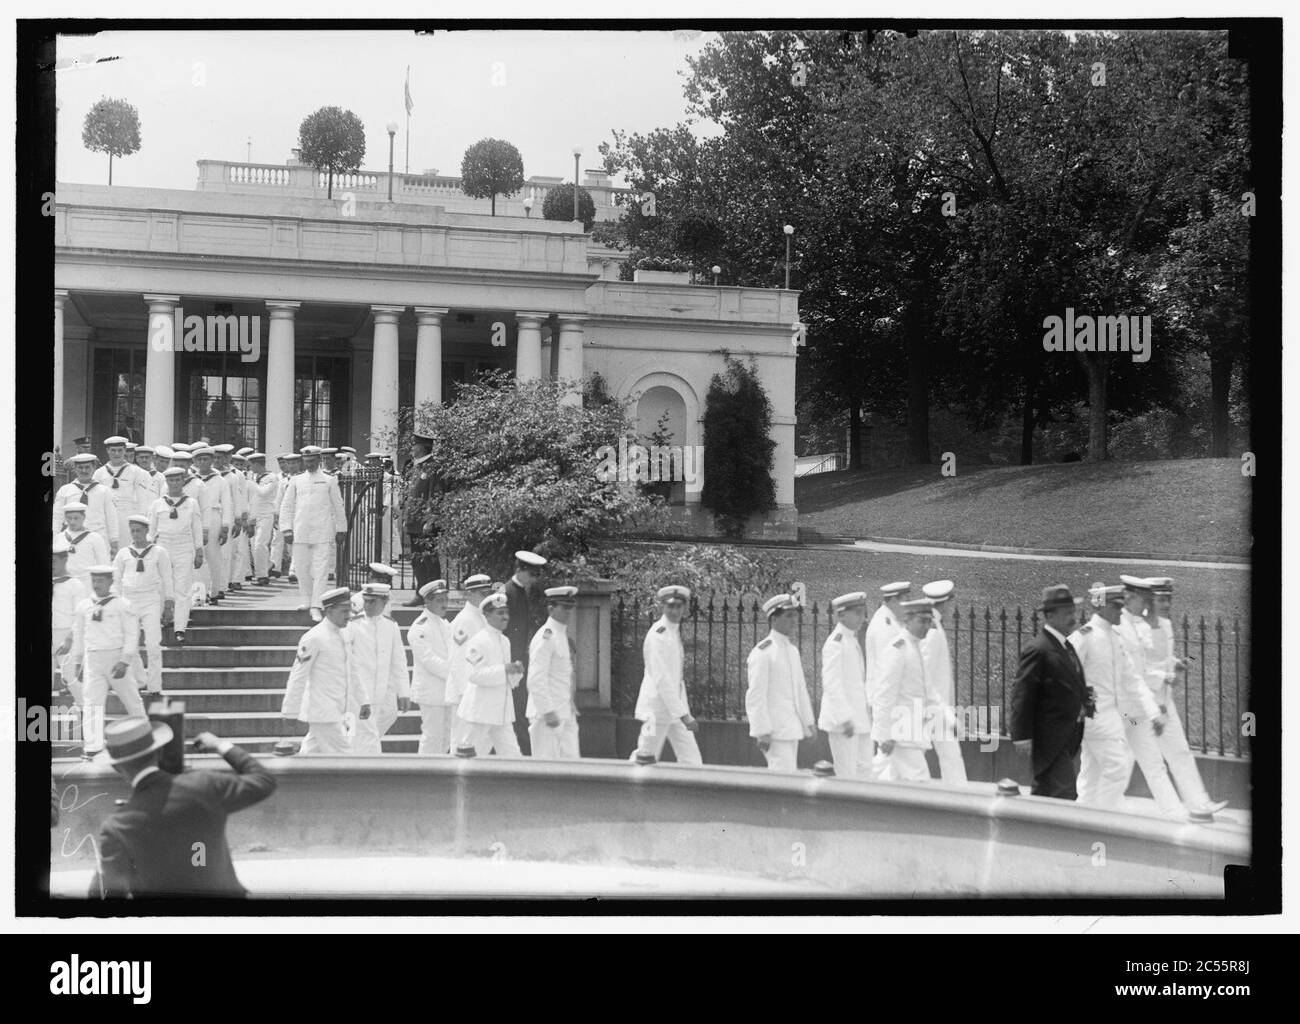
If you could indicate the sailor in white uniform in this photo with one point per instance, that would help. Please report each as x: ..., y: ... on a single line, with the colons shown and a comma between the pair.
x: 938, y: 674
x: 552, y: 708
x: 662, y: 706
x: 430, y: 640
x: 776, y: 701
x: 901, y: 697
x: 320, y: 690
x: 488, y: 709
x: 845, y: 715
x: 467, y: 624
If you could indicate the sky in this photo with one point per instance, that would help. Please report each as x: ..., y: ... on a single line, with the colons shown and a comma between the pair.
x: 204, y: 95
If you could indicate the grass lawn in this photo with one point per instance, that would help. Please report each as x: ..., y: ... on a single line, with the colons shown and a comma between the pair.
x: 1192, y: 507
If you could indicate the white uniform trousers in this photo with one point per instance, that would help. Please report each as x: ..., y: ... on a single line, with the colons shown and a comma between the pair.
x: 1146, y: 750
x: 325, y: 738
x: 852, y: 755
x: 952, y: 766
x: 783, y: 755
x: 96, y: 683
x: 562, y: 741
x: 277, y: 551
x: 262, y: 546
x: 60, y: 664
x: 655, y: 732
x: 183, y: 571
x: 372, y: 730
x: 149, y: 609
x: 1104, y: 772
x: 387, y: 535
x: 456, y: 729
x: 214, y: 554
x: 905, y: 764
x: 312, y: 565
x: 237, y: 559
x: 497, y: 738
x: 1182, y: 762
x: 435, y: 728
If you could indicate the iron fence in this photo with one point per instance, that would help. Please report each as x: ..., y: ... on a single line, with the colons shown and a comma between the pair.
x: 718, y: 633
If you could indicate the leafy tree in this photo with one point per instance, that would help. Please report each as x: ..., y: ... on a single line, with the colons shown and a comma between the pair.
x: 332, y: 140
x: 112, y: 126
x: 738, y: 447
x: 492, y: 166
x: 558, y: 205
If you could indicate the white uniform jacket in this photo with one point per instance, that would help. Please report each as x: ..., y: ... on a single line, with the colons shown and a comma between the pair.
x: 902, y: 694
x: 378, y: 661
x: 144, y: 573
x: 313, y: 508
x: 777, y: 701
x: 215, y: 496
x: 881, y: 630
x: 844, y: 683
x: 663, y: 685
x: 938, y: 665
x: 101, y: 509
x: 117, y: 628
x: 319, y: 687
x: 185, y: 529
x: 1109, y: 670
x: 464, y: 627
x: 550, y: 673
x: 430, y: 640
x: 487, y: 700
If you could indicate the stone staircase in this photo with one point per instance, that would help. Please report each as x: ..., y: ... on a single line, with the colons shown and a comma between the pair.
x: 232, y: 671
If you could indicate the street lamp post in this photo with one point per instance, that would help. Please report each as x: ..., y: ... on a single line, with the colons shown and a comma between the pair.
x: 392, y: 135
x: 789, y: 233
x: 716, y: 271
x: 528, y: 206
x: 577, y: 154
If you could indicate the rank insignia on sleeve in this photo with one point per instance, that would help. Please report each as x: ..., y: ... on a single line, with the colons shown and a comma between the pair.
x: 661, y: 629
x: 546, y: 633
x: 459, y: 637
x: 1086, y: 628
x: 898, y: 643
x: 474, y: 656
x: 765, y: 644
x: 838, y: 637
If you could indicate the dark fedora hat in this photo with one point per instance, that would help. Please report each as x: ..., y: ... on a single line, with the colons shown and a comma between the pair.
x: 1057, y: 596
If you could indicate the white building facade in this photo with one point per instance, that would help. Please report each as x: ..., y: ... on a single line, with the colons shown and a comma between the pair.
x: 360, y: 308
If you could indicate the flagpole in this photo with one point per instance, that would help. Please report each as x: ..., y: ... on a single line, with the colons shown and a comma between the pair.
x: 407, y: 103
x: 408, y: 143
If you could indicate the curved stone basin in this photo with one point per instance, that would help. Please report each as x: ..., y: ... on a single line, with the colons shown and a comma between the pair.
x: 405, y: 825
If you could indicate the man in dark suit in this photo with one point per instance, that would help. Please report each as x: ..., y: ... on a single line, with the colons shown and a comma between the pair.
x: 527, y: 614
x: 170, y: 838
x: 421, y: 535
x: 1050, y: 700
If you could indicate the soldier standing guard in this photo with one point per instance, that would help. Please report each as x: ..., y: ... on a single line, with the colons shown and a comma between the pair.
x: 467, y: 624
x: 776, y: 702
x: 487, y: 710
x: 320, y: 691
x: 552, y: 697
x: 143, y: 575
x: 661, y: 704
x: 105, y: 634
x: 430, y: 640
x: 176, y: 524
x: 845, y: 715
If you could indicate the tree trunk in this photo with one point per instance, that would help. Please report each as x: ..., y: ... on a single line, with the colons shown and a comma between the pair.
x: 1220, y: 383
x: 855, y: 433
x: 494, y: 204
x: 918, y: 384
x: 110, y: 167
x: 1027, y: 423
x: 329, y: 183
x: 1098, y: 368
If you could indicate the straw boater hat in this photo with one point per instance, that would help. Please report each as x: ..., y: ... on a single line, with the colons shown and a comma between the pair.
x: 134, y: 737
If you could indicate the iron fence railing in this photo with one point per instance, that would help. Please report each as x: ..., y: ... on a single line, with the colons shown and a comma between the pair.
x: 718, y: 633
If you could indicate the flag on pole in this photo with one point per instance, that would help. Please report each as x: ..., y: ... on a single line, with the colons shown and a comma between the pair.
x: 409, y: 104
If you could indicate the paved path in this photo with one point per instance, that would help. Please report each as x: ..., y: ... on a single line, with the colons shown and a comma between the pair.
x: 921, y: 549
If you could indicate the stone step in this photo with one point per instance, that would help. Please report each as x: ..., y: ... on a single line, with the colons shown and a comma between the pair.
x: 258, y: 616
x: 257, y: 636
x: 260, y: 723
x: 228, y: 657
x: 179, y: 681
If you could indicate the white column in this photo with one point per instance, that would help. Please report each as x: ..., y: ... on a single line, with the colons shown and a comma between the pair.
x: 160, y: 371
x: 428, y: 355
x: 60, y: 297
x: 528, y: 356
x: 384, y: 370
x: 280, y: 375
x: 569, y: 366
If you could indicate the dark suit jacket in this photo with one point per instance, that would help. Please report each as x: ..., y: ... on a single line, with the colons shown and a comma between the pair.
x: 525, y: 608
x: 147, y: 847
x: 419, y: 490
x: 1047, y: 699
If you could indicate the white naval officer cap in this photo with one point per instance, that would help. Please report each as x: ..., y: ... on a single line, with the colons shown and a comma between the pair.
x: 100, y: 570
x: 479, y: 581
x: 75, y: 506
x: 846, y: 601
x: 142, y: 520
x: 329, y: 451
x: 114, y: 441
x: 143, y: 448
x: 1135, y: 582
x: 1100, y: 595
x: 562, y: 595
x: 339, y: 595
x: 894, y: 589
x: 83, y: 457
x: 311, y: 449
x: 223, y: 449
x: 380, y: 569
x: 376, y: 590
x: 673, y: 594
x: 779, y: 603
x: 433, y: 587
x: 348, y: 448
x: 938, y: 591
x: 916, y: 606
x: 497, y: 600
x: 1163, y: 585
x: 174, y: 471
x: 530, y: 558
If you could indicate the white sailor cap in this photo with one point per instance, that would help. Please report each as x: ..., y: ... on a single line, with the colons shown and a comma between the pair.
x: 1163, y: 585
x: 257, y: 457
x: 479, y: 581
x: 142, y: 520
x: 530, y: 558
x: 494, y: 601
x: 143, y: 448
x: 180, y: 456
x: 336, y: 596
x: 894, y: 589
x: 131, y: 446
x: 376, y: 590
x: 1135, y: 582
x: 83, y: 457
x: 175, y: 471
x: 60, y: 545
x: 844, y: 601
x: 433, y: 587
x: 100, y: 570
x: 286, y: 456
x: 244, y: 451
x: 202, y: 450
x: 939, y: 590
x: 378, y: 455
x: 223, y: 449
x: 75, y: 506
x: 164, y: 451
x: 238, y: 458
x: 916, y: 606
x: 348, y: 448
x: 779, y: 603
x: 674, y: 594
x: 379, y: 568
x: 180, y: 446
x: 562, y: 595
x: 329, y: 451
x: 310, y: 449
x: 1100, y: 595
x: 114, y: 441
